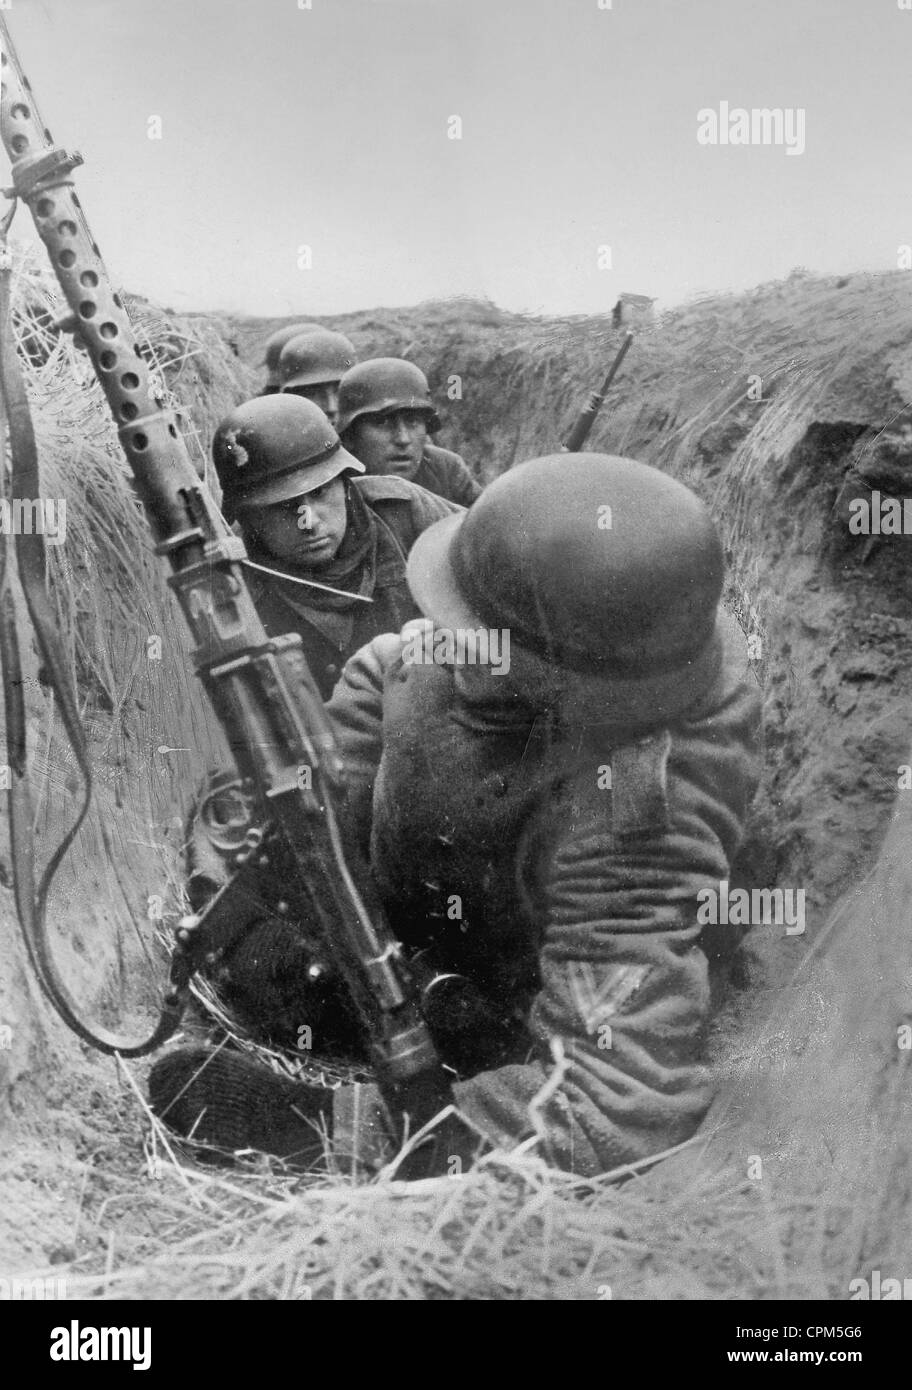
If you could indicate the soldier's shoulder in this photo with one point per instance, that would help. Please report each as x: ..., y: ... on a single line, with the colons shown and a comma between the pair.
x: 381, y: 492
x: 381, y: 487
x: 448, y: 474
x: 446, y: 456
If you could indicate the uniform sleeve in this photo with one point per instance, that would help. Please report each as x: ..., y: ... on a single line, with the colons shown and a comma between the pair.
x: 461, y: 486
x: 427, y: 507
x: 611, y: 1076
x: 624, y: 985
x: 356, y: 714
x: 617, y: 1023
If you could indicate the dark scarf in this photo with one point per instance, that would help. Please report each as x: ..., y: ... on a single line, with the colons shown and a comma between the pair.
x: 353, y: 568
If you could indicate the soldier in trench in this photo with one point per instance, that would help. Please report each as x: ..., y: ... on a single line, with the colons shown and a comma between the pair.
x: 539, y: 833
x: 385, y: 417
x: 312, y: 365
x: 307, y: 512
x: 272, y: 349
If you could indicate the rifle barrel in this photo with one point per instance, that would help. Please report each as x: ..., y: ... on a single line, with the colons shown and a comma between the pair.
x: 587, y: 416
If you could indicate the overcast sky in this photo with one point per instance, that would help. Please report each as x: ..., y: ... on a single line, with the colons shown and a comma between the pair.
x: 285, y: 127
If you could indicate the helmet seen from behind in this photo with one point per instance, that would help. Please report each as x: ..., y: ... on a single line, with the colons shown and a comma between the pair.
x: 598, y: 564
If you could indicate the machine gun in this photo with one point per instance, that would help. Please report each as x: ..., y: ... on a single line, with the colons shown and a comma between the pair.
x: 260, y: 689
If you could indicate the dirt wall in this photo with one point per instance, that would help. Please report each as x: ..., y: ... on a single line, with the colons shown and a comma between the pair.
x: 149, y: 733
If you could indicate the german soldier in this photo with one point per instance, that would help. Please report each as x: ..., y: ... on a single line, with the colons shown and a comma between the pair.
x: 539, y: 828
x: 274, y: 344
x: 312, y: 365
x: 307, y: 514
x: 385, y: 416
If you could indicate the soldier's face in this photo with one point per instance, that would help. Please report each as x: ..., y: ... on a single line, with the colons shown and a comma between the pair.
x: 307, y: 531
x: 325, y: 394
x: 391, y: 443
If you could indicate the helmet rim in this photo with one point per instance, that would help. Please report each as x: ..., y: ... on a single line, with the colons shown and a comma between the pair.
x: 288, y: 484
x: 620, y: 633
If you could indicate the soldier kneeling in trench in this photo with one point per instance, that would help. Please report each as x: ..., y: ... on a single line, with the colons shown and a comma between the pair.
x: 539, y: 828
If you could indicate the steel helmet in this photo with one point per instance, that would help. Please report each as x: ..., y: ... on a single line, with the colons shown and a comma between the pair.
x: 594, y: 563
x: 274, y: 344
x: 275, y: 448
x: 381, y: 385
x: 311, y: 359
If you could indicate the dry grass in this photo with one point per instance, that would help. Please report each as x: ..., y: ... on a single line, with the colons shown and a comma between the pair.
x: 819, y: 1094
x: 150, y: 733
x: 512, y: 1228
